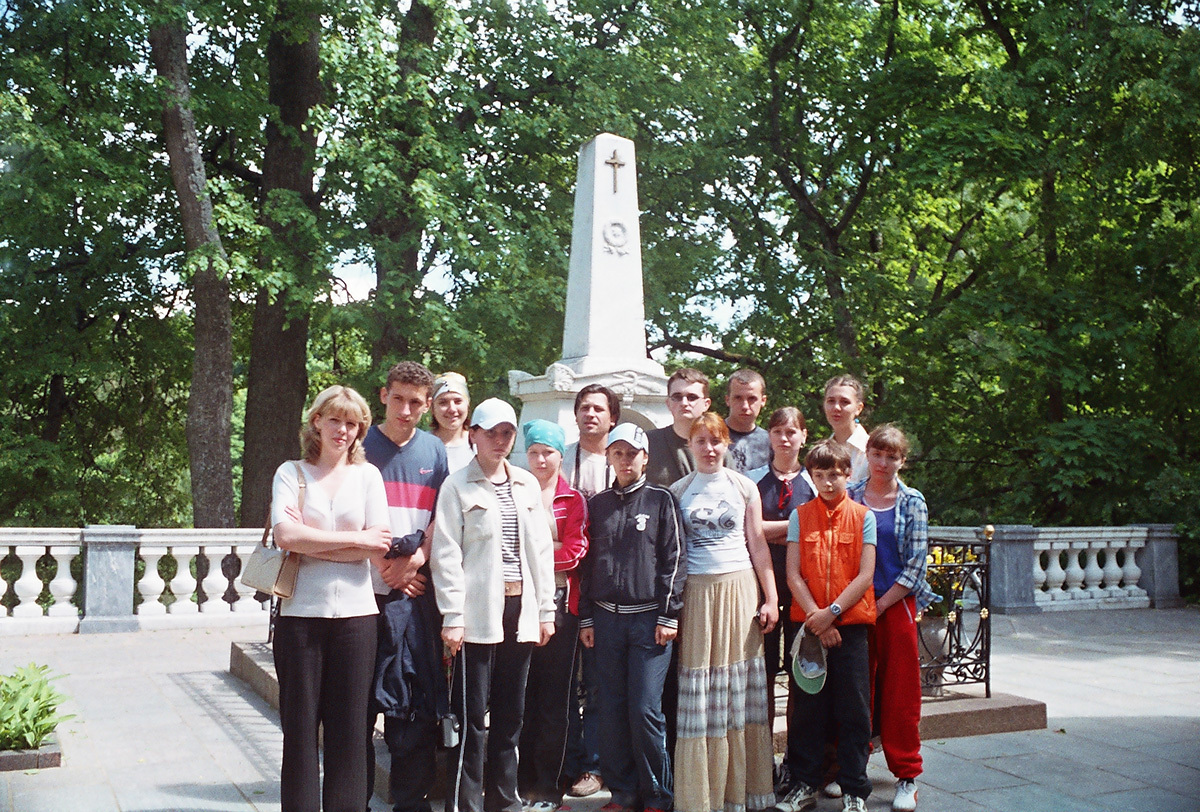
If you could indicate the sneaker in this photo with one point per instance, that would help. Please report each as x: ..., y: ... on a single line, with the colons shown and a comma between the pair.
x: 800, y: 798
x: 539, y: 806
x: 832, y: 790
x: 852, y: 803
x: 585, y: 785
x: 906, y: 795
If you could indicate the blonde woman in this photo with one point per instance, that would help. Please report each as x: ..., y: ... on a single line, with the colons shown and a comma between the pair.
x: 324, y: 642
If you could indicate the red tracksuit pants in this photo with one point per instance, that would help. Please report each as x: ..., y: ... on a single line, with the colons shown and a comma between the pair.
x: 896, y: 688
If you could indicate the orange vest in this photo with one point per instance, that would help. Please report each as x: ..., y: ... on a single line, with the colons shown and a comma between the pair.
x: 831, y: 542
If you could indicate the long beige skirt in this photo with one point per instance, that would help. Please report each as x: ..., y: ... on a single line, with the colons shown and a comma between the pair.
x: 723, y: 759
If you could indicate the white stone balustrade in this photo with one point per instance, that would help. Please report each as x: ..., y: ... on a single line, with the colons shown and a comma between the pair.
x: 1067, y: 571
x: 158, y: 607
x: 1031, y: 570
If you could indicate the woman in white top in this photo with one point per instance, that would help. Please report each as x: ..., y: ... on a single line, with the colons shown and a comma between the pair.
x: 448, y: 418
x: 493, y: 572
x: 723, y: 746
x: 844, y: 401
x: 324, y: 642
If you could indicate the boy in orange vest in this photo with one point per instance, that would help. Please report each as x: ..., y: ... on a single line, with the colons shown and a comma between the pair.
x: 830, y: 567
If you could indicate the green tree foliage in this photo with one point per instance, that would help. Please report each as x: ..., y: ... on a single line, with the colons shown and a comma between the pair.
x: 986, y: 209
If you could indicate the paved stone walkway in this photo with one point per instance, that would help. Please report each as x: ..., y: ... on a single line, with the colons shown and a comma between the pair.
x: 160, y: 725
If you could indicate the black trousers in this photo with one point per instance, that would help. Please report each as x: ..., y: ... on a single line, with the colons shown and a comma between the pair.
x: 841, y: 710
x: 489, y: 677
x: 548, y: 708
x: 324, y: 666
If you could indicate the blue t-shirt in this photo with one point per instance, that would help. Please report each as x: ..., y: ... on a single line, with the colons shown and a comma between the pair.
x: 888, y: 565
x: 412, y: 475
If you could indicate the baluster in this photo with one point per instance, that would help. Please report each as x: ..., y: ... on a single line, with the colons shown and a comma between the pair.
x: 245, y: 594
x: 1055, y: 574
x: 151, y: 586
x: 1074, y: 572
x: 183, y: 583
x: 1092, y: 574
x: 215, y: 583
x: 29, y: 586
x: 62, y: 585
x: 1132, y: 573
x: 1039, y: 575
x: 1112, y: 570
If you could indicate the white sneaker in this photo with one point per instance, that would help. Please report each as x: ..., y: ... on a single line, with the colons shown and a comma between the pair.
x: 833, y: 790
x: 906, y: 796
x: 852, y: 803
x: 800, y: 798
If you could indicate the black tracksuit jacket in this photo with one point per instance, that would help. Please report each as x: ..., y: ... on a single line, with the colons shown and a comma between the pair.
x: 636, y: 559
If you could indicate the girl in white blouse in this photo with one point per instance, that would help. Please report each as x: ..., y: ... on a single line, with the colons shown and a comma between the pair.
x: 325, y: 635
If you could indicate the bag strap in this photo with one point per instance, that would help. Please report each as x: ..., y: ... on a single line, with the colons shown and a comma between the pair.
x: 302, y: 482
x: 303, y: 485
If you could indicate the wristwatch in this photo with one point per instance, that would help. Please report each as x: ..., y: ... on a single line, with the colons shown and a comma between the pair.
x: 837, y: 610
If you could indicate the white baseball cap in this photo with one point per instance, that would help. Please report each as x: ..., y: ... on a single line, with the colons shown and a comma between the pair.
x: 491, y: 413
x: 631, y: 434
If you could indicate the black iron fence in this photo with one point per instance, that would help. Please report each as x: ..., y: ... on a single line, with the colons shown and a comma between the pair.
x: 955, y: 634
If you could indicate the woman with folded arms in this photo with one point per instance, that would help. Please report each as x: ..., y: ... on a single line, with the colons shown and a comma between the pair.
x: 324, y: 643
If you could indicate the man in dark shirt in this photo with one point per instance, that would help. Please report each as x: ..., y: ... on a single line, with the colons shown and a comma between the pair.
x: 749, y: 444
x: 687, y: 399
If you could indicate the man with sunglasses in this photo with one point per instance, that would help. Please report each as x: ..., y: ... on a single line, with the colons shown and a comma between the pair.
x: 687, y: 399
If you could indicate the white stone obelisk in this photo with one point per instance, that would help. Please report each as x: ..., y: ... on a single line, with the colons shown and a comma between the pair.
x: 604, y: 331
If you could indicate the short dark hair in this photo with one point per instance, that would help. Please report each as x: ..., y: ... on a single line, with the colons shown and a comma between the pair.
x: 614, y: 402
x: 889, y: 437
x: 413, y: 373
x: 786, y: 416
x: 688, y: 375
x: 749, y: 377
x: 829, y: 454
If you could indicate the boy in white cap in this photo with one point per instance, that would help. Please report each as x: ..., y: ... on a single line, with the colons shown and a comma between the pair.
x: 631, y: 594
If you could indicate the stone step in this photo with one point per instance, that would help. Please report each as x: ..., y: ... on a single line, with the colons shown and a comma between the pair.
x: 949, y: 716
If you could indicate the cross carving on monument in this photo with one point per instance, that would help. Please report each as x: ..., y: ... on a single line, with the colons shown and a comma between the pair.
x: 616, y: 163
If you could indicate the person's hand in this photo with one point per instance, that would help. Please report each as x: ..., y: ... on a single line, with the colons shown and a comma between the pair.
x: 768, y: 616
x: 832, y: 638
x: 664, y: 634
x: 293, y: 513
x: 375, y: 539
x: 417, y: 586
x: 588, y: 637
x: 452, y: 636
x: 820, y: 621
x: 547, y: 633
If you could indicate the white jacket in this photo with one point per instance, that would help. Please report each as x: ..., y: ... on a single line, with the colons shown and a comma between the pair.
x: 468, y: 574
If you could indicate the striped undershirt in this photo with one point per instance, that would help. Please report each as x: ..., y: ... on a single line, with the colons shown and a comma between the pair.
x: 510, y: 547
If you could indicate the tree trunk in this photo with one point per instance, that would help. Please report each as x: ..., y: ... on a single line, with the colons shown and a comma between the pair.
x: 277, y: 382
x: 399, y: 228
x: 210, y: 400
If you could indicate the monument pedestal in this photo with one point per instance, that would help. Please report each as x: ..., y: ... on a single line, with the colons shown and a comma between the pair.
x: 604, y: 332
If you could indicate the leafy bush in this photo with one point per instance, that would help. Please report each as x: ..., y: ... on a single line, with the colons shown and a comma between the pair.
x: 28, y: 708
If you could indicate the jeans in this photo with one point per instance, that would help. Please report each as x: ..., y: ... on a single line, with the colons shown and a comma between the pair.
x: 633, y: 738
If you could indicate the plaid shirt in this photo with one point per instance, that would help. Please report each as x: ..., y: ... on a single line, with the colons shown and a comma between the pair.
x: 912, y: 536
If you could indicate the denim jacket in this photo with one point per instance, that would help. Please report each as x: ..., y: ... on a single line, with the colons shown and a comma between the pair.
x: 912, y: 535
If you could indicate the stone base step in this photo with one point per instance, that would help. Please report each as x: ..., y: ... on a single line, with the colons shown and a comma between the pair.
x: 949, y: 716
